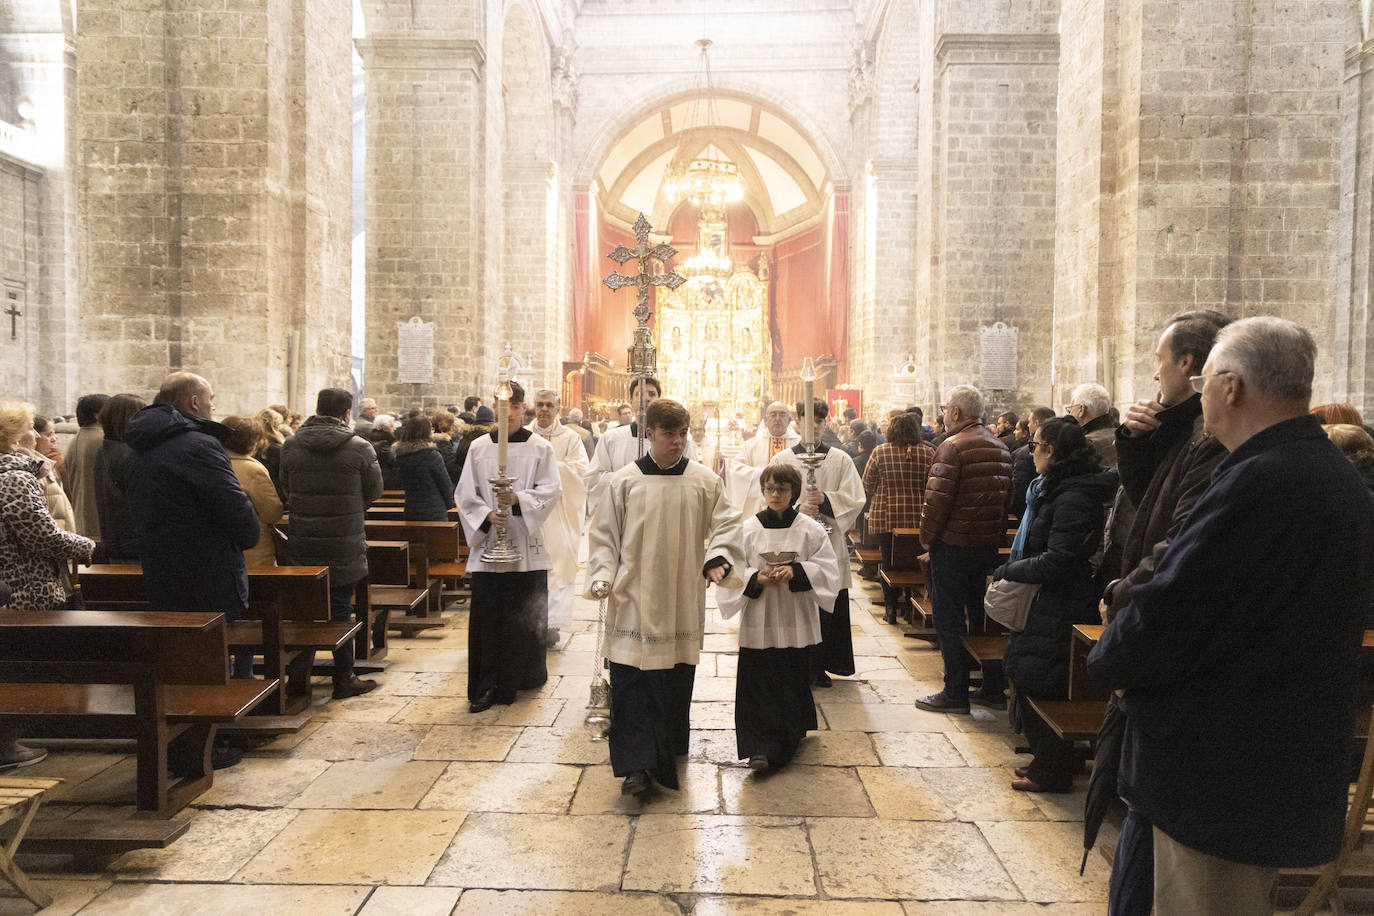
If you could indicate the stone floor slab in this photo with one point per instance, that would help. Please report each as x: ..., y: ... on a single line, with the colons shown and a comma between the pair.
x: 980, y: 794
x: 228, y: 900
x: 794, y: 790
x: 714, y: 745
x: 544, y: 788
x: 558, y: 745
x: 262, y: 782
x: 411, y: 901
x: 69, y: 896
x: 874, y: 717
x: 564, y: 903
x: 362, y: 741
x: 989, y: 749
x: 917, y: 749
x: 792, y: 906
x: 713, y: 715
x: 355, y: 847
x: 370, y: 708
x: 720, y: 855
x: 599, y: 793
x: 358, y: 784
x: 214, y: 847
x: 541, y: 712
x: 467, y: 742
x: 1044, y: 858
x: 836, y: 749
x: 901, y: 794
x: 429, y: 684
x: 890, y: 860
x: 446, y: 710
x: 987, y: 908
x: 536, y: 852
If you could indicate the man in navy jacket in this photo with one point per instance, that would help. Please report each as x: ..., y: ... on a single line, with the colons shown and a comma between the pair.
x: 1239, y: 657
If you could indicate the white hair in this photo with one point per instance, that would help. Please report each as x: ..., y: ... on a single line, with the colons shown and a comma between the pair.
x: 384, y: 422
x: 548, y: 391
x: 968, y: 399
x: 1276, y: 357
x: 366, y: 402
x: 575, y: 415
x: 1095, y: 399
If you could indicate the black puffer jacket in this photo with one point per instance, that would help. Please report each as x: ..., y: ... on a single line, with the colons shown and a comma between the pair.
x: 429, y: 494
x: 116, y: 524
x: 330, y: 477
x: 1061, y: 542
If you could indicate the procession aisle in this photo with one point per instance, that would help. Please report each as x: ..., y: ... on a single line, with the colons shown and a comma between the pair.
x: 403, y: 802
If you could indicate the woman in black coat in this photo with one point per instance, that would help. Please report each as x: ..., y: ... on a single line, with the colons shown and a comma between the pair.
x: 1054, y: 547
x: 116, y: 524
x: 429, y: 492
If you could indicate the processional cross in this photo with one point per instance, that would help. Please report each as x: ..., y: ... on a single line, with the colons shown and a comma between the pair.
x: 643, y: 356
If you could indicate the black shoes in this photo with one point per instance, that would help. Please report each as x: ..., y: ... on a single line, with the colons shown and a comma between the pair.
x: 823, y: 680
x: 484, y: 702
x: 353, y: 687
x: 988, y: 700
x: 223, y: 756
x: 636, y: 784
x: 552, y: 637
x: 941, y: 702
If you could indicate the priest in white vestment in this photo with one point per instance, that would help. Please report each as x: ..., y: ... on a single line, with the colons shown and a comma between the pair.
x: 563, y: 528
x: 662, y: 531
x: 742, y: 473
x: 837, y: 500
x: 620, y: 446
x: 789, y: 570
x: 510, y: 603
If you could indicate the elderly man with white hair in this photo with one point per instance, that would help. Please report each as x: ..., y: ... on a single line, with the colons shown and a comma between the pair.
x: 1090, y: 404
x: 367, y: 414
x: 562, y: 530
x: 1239, y: 659
x: 963, y: 523
x: 573, y: 421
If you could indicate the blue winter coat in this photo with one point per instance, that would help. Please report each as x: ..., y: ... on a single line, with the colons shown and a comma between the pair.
x: 1239, y: 656
x: 192, y: 518
x: 429, y: 492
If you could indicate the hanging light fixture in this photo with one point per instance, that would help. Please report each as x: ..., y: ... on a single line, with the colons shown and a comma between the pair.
x: 710, y: 180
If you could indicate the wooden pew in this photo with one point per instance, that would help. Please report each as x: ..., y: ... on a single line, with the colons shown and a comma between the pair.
x: 437, y: 552
x: 161, y: 678
x: 904, y: 571
x: 287, y: 620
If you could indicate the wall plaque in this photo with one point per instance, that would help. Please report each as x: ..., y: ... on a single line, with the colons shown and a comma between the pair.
x: 998, y: 363
x: 415, y: 352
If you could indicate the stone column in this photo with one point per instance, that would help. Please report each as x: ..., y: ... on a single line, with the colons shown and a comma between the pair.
x: 214, y: 197
x: 1354, y: 342
x: 425, y: 205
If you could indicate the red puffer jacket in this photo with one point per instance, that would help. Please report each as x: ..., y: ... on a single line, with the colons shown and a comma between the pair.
x: 968, y: 490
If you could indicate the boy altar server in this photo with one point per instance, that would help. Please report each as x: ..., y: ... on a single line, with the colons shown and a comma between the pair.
x: 838, y: 498
x: 663, y: 529
x: 510, y: 603
x: 789, y: 569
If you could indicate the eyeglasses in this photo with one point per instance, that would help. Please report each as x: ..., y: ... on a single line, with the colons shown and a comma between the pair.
x: 771, y: 488
x: 1197, y: 381
x: 1039, y: 445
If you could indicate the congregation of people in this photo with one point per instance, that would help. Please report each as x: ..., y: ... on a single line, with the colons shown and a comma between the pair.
x: 1220, y: 530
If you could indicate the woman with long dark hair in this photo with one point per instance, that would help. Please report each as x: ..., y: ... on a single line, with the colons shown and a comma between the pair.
x: 429, y: 491
x: 1054, y: 547
x: 116, y: 525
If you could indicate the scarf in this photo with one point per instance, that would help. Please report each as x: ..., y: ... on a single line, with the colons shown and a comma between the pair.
x: 1018, y: 543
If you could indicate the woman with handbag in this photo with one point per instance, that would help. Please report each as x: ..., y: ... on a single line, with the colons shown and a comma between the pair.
x: 1054, y: 547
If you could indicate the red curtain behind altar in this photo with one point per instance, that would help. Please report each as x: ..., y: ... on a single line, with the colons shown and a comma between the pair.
x: 810, y: 283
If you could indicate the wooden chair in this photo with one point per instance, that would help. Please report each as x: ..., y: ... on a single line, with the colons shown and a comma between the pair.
x: 19, y: 801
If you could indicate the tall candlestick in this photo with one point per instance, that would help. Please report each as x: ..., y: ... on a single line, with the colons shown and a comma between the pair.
x: 808, y: 403
x: 503, y: 394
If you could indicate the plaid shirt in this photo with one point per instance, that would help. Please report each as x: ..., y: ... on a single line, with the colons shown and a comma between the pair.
x: 895, y: 481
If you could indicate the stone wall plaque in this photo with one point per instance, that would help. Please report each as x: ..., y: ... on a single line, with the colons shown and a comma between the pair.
x: 998, y: 362
x: 904, y: 382
x: 415, y: 352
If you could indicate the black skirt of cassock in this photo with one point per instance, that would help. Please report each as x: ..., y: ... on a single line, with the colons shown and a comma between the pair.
x: 836, y: 651
x: 773, y: 705
x: 506, y: 649
x: 650, y: 720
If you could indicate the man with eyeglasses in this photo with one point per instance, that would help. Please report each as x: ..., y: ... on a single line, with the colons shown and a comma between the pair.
x: 1239, y: 658
x: 741, y: 474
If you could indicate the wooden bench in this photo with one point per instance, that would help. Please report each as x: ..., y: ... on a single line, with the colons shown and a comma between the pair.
x: 436, y: 550
x: 161, y: 678
x: 1072, y: 720
x: 19, y: 801
x: 903, y: 571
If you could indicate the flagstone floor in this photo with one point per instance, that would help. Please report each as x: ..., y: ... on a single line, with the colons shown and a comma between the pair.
x: 401, y: 802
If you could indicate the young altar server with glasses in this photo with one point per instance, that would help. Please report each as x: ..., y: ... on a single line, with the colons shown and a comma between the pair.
x: 789, y: 568
x: 662, y: 531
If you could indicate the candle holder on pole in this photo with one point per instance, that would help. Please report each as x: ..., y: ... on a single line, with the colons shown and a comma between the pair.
x: 501, y: 552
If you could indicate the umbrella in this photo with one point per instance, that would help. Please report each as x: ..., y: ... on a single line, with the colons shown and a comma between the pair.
x: 1102, y: 785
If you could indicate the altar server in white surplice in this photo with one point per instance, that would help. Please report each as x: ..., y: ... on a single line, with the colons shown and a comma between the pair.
x: 510, y: 604
x: 563, y: 530
x: 789, y: 570
x: 662, y: 531
x: 620, y: 446
x: 838, y: 500
x: 742, y: 474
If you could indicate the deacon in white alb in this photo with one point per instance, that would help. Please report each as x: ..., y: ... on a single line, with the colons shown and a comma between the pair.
x: 563, y: 529
x: 662, y: 531
x: 510, y: 604
x: 838, y: 498
x: 620, y: 446
x: 742, y: 474
x: 789, y: 569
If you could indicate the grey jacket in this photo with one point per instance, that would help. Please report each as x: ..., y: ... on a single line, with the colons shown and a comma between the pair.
x: 330, y: 476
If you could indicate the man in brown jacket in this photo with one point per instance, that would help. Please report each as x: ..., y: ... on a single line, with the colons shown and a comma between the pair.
x: 963, y: 524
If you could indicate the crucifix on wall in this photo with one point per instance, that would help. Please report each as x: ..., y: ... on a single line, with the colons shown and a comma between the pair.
x: 14, y: 313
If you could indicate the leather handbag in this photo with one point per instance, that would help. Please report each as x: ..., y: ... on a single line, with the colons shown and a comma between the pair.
x: 1009, y: 602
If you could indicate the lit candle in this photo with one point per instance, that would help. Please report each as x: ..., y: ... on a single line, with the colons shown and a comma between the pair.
x: 502, y: 424
x: 808, y: 403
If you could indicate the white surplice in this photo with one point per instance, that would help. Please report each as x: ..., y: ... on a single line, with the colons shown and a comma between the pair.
x: 617, y: 448
x: 839, y: 480
x: 742, y: 473
x: 537, y: 488
x: 650, y: 537
x: 779, y: 618
x: 563, y: 528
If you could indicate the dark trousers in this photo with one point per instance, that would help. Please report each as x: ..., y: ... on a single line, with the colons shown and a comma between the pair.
x: 341, y: 611
x: 1133, y: 869
x: 1052, y: 765
x: 959, y: 580
x: 890, y: 594
x: 650, y: 720
x: 506, y: 626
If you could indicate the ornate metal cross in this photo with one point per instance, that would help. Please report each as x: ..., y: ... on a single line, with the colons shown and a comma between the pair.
x: 643, y: 253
